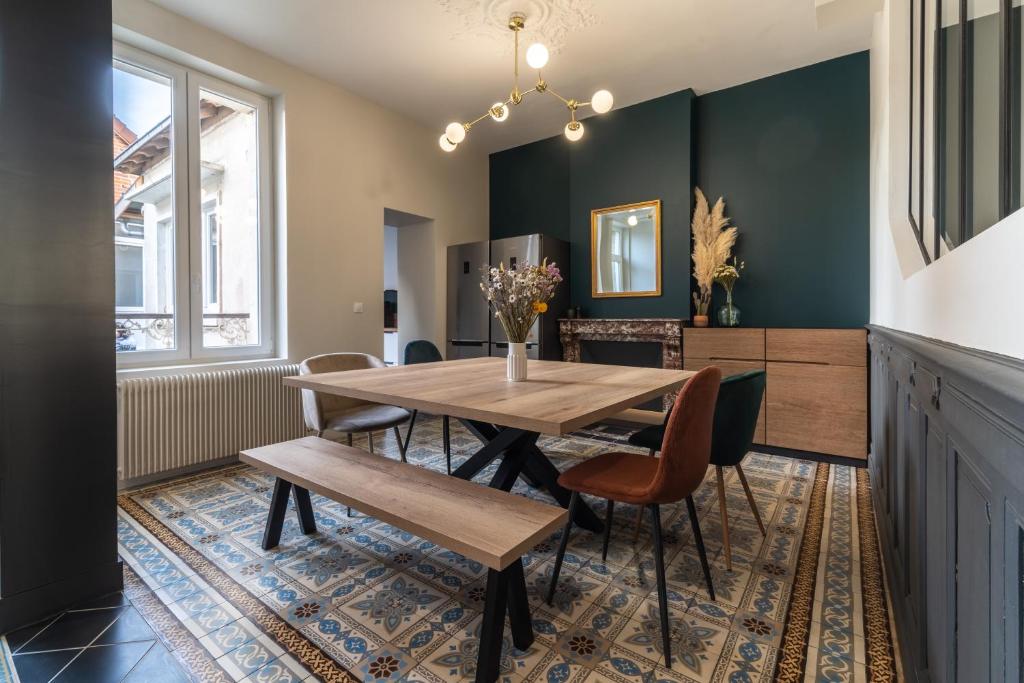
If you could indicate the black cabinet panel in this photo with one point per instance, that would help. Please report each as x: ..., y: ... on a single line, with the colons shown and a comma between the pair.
x: 947, y: 468
x: 973, y: 572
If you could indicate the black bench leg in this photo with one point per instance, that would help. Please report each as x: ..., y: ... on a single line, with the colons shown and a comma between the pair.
x: 305, y: 509
x: 492, y: 627
x: 275, y: 518
x: 519, y: 607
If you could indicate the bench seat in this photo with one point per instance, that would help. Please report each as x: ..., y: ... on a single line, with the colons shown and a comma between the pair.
x: 485, y: 524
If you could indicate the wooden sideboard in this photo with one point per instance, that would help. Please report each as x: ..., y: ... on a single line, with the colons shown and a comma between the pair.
x: 817, y: 382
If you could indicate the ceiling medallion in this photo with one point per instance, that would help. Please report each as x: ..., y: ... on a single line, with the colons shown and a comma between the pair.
x: 537, y: 57
x: 551, y: 21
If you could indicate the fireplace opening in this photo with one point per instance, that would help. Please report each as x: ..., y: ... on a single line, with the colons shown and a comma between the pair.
x: 642, y: 354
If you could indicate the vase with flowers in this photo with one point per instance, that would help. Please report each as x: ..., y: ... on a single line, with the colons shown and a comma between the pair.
x: 713, y: 240
x: 518, y: 295
x: 726, y: 275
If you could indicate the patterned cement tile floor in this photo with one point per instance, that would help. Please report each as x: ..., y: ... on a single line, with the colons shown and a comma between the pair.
x: 362, y: 600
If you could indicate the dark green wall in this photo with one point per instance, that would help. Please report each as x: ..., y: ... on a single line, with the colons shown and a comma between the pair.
x: 788, y: 152
x: 790, y: 155
x: 629, y: 155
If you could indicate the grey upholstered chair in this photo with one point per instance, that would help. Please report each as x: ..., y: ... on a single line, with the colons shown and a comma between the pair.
x: 348, y: 416
x: 329, y: 413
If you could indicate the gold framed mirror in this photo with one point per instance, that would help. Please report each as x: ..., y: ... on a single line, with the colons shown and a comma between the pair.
x: 625, y: 250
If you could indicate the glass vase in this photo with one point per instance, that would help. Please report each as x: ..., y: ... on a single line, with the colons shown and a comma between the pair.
x: 728, y: 314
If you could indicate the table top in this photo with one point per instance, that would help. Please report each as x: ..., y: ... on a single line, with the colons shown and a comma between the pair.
x: 558, y: 398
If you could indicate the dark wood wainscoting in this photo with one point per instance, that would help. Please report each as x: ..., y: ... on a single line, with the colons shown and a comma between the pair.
x: 947, y: 470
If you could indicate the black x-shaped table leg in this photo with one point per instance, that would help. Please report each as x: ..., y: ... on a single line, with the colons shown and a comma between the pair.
x: 522, y: 458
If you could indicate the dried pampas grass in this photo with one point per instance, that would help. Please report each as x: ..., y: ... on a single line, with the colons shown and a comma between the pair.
x: 713, y: 240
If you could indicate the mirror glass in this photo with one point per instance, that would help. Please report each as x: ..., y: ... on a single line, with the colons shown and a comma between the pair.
x: 625, y: 250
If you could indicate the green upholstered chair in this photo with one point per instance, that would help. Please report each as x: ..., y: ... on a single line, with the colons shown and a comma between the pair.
x: 736, y: 411
x: 423, y: 351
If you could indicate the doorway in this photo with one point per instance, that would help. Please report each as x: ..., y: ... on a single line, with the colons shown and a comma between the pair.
x: 409, y: 282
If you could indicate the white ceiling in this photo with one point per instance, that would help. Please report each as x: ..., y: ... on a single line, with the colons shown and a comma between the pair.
x: 443, y: 60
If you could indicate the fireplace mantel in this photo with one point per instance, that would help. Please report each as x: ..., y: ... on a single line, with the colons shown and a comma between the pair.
x: 666, y: 331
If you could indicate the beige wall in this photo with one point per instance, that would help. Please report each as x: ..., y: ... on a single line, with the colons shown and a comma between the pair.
x: 344, y: 160
x: 970, y: 296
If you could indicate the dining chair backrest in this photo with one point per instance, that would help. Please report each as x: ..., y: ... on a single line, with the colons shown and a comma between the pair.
x: 739, y: 403
x: 686, y: 447
x: 317, y: 407
x: 421, y: 351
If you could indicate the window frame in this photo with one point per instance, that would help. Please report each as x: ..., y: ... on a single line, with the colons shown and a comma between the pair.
x: 187, y: 216
x: 1007, y: 155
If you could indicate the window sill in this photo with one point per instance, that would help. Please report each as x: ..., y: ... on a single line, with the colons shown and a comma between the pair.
x: 193, y: 368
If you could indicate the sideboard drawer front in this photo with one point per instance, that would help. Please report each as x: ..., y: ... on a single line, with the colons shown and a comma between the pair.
x: 828, y: 347
x: 723, y: 343
x: 729, y: 368
x: 820, y: 408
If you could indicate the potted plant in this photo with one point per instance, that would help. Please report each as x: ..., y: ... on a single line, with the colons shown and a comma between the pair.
x: 713, y: 240
x: 518, y: 296
x: 726, y: 275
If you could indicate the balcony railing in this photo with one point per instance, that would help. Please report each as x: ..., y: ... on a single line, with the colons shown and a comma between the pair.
x: 152, y: 331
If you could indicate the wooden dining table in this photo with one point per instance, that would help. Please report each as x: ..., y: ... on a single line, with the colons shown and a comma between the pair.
x: 507, y: 417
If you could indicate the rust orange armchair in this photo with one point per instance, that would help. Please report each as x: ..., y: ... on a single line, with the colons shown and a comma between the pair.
x: 651, y: 482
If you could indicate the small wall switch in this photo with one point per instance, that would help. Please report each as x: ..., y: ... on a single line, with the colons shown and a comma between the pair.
x: 357, y: 307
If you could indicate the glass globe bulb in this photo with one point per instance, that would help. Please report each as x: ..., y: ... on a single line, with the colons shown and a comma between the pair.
x: 632, y: 220
x: 537, y: 56
x: 446, y: 144
x: 499, y: 111
x: 455, y: 132
x: 602, y: 101
x: 574, y: 130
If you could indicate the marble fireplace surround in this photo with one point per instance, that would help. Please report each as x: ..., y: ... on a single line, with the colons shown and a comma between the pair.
x: 666, y: 331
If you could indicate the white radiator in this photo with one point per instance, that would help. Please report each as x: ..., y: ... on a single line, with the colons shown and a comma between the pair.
x: 182, y: 422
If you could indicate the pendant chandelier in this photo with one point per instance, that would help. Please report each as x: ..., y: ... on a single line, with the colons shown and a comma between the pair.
x: 537, y: 58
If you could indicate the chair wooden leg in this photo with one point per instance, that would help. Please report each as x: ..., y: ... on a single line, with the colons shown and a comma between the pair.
x: 640, y: 512
x: 725, y: 517
x: 446, y: 438
x: 607, y: 529
x: 750, y: 499
x: 401, y: 448
x: 659, y: 569
x: 574, y: 500
x: 369, y: 440
x: 349, y: 438
x: 691, y: 509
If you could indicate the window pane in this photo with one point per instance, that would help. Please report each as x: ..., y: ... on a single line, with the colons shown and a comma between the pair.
x: 128, y: 276
x: 143, y: 210
x: 983, y: 102
x: 229, y: 161
x: 947, y: 208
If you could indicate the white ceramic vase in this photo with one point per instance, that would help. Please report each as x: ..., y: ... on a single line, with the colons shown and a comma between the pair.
x: 516, y: 367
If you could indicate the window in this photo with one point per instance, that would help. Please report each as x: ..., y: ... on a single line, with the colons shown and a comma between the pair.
x: 965, y: 90
x: 191, y: 205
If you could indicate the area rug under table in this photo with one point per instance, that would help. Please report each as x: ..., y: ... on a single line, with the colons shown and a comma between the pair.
x: 363, y: 600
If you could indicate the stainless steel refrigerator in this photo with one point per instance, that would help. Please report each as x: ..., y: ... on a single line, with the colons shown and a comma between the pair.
x: 470, y: 321
x: 468, y: 318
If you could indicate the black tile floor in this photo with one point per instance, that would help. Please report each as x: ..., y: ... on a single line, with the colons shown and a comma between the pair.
x: 101, y: 641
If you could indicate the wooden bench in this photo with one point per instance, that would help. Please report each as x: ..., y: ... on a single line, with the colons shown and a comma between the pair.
x: 488, y: 525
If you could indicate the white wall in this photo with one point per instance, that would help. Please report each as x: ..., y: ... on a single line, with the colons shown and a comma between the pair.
x: 972, y: 296
x: 340, y: 160
x: 390, y: 257
x: 417, y: 274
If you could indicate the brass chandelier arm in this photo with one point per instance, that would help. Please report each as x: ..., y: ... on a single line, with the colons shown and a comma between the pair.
x: 456, y: 132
